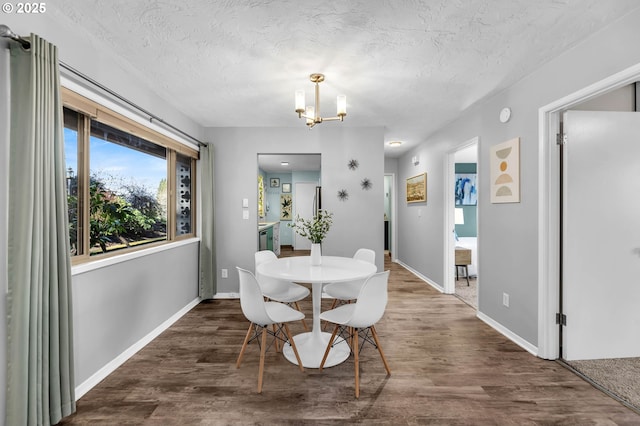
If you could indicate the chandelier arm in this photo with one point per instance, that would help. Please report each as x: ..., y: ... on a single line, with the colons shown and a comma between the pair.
x: 341, y: 118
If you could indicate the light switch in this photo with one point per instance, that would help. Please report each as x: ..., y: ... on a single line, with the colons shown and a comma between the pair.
x: 245, y: 203
x: 245, y: 214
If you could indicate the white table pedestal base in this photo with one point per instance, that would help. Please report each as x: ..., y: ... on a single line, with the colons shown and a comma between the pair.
x: 311, y: 347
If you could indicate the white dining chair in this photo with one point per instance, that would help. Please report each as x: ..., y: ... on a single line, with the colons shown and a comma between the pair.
x: 278, y: 290
x: 358, y: 320
x: 262, y: 315
x: 349, y: 290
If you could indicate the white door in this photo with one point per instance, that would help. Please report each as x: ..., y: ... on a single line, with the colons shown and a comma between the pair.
x: 303, y: 204
x: 601, y: 235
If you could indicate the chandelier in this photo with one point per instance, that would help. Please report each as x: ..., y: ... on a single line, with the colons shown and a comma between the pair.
x: 312, y: 113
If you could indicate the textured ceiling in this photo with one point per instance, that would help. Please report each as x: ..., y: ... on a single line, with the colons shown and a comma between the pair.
x: 410, y: 66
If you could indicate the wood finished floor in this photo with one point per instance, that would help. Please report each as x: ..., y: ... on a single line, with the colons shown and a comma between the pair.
x: 448, y: 368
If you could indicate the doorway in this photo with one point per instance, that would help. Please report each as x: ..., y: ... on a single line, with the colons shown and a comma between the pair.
x: 390, y: 225
x: 466, y: 224
x: 279, y: 176
x: 461, y: 222
x: 592, y: 331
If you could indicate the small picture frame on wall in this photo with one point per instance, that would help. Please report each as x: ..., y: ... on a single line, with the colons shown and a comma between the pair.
x: 417, y: 188
x: 286, y: 188
x: 274, y: 182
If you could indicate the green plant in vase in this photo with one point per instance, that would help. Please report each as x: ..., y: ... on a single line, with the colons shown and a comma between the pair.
x: 315, y: 230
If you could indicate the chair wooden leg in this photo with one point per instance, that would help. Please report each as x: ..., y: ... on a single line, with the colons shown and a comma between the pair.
x: 263, y: 349
x: 275, y: 338
x: 293, y: 346
x: 244, y: 345
x: 304, y: 323
x: 356, y: 358
x: 384, y: 360
x: 326, y: 352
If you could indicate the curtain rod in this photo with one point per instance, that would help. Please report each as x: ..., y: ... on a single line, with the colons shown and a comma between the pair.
x: 5, y: 31
x: 130, y: 103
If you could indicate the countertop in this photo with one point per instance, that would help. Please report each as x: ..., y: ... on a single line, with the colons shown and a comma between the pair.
x: 265, y: 225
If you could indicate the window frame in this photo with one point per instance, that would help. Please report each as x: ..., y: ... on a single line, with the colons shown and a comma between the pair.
x: 88, y: 110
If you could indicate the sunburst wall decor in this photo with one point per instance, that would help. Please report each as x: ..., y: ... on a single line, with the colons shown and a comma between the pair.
x: 343, y: 195
x: 353, y: 164
x: 366, y: 184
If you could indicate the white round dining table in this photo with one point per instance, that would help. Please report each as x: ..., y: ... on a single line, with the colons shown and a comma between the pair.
x: 333, y: 269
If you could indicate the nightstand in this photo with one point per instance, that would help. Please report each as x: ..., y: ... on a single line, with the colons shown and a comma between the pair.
x: 463, y: 259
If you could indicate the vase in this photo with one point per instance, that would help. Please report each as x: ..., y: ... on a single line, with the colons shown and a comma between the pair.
x: 316, y: 254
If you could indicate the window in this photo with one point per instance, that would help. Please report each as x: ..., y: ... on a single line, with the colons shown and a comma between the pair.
x: 126, y: 185
x: 183, y: 198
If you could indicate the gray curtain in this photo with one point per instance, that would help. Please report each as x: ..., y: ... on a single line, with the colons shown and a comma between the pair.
x: 208, y: 282
x: 40, y: 377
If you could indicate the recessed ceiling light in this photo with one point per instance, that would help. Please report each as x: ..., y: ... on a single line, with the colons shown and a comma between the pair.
x: 394, y: 143
x: 284, y: 163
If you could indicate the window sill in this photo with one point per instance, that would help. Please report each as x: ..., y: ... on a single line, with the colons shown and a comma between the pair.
x: 103, y: 263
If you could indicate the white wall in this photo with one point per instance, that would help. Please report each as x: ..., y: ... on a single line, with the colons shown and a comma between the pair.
x: 358, y: 222
x: 508, y: 233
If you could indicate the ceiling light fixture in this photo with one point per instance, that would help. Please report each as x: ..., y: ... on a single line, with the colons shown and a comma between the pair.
x: 284, y: 163
x: 394, y: 143
x: 312, y: 113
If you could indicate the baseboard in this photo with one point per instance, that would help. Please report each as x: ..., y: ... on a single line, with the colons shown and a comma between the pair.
x: 533, y: 350
x: 101, y: 374
x: 490, y: 322
x: 422, y: 277
x: 229, y: 295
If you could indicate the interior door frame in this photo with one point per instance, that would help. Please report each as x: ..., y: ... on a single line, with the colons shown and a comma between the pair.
x: 549, y: 205
x: 449, y: 214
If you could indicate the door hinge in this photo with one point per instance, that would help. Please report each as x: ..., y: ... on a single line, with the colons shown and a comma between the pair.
x: 561, y: 319
x: 561, y: 138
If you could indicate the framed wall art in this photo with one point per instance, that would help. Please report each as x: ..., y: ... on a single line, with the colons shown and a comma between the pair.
x: 466, y: 189
x: 504, y: 162
x: 417, y: 189
x: 274, y: 182
x: 285, y: 206
x: 286, y: 187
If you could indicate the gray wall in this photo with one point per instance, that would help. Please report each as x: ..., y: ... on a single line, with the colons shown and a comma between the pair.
x: 358, y: 222
x: 105, y: 320
x: 4, y: 194
x: 87, y: 55
x: 508, y: 233
x: 116, y: 306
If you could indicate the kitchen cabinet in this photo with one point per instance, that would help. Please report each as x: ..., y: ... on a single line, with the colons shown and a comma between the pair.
x: 269, y: 236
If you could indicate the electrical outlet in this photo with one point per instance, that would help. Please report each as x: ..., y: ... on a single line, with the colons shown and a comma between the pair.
x: 225, y: 273
x: 505, y: 299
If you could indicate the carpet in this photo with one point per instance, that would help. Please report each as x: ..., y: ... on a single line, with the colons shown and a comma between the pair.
x: 468, y: 293
x: 619, y: 376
